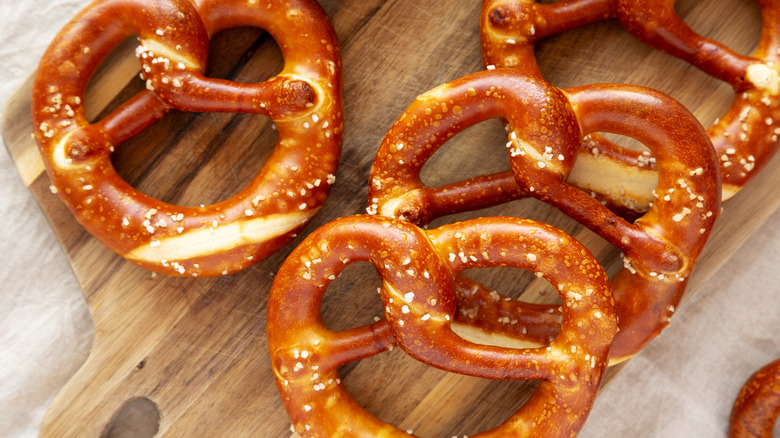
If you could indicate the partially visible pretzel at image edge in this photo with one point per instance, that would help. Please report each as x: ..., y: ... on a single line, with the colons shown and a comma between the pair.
x: 757, y: 406
x: 744, y: 138
x: 304, y: 101
x: 417, y: 269
x: 546, y: 127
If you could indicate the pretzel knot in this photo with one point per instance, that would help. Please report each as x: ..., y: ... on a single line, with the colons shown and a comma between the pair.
x: 546, y: 126
x: 418, y: 293
x: 757, y: 407
x: 303, y: 100
x: 744, y: 138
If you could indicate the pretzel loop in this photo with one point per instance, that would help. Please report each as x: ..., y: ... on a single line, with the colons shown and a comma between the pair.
x: 304, y: 101
x: 660, y: 248
x: 418, y: 294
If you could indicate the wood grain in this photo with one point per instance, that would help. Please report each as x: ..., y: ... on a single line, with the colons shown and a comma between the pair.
x: 196, y: 347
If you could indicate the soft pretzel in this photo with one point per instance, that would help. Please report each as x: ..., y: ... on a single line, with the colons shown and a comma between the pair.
x: 757, y: 406
x: 546, y: 127
x: 417, y: 269
x: 303, y: 100
x: 744, y: 138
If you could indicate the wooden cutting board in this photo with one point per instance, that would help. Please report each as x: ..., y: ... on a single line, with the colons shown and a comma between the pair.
x: 192, y: 351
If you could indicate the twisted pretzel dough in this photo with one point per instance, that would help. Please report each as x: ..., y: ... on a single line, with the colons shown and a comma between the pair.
x: 417, y: 269
x: 546, y: 128
x: 304, y: 101
x: 757, y: 407
x: 744, y: 138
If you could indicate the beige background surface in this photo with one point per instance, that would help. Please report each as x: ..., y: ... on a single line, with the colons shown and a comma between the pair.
x: 682, y: 385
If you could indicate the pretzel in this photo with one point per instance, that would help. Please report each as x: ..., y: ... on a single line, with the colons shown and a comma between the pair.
x: 546, y: 127
x: 303, y: 100
x: 757, y: 407
x: 744, y: 138
x: 417, y: 269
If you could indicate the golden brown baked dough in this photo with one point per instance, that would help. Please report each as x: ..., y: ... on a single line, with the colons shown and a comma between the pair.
x: 417, y: 268
x: 304, y: 101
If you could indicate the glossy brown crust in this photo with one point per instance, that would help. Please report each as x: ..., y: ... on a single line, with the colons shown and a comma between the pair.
x: 304, y: 101
x: 757, y: 406
x: 547, y: 126
x: 744, y: 138
x: 417, y: 268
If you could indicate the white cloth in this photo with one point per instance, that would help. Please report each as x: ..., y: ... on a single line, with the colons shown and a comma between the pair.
x: 45, y: 328
x: 682, y: 385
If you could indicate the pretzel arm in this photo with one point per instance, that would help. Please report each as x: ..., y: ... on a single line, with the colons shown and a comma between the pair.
x: 656, y: 23
x: 276, y: 98
x: 493, y: 313
x: 132, y: 117
x: 566, y: 15
x: 355, y: 344
x: 474, y: 193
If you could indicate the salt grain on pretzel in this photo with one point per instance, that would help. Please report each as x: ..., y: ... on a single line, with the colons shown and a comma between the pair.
x: 547, y: 126
x: 757, y: 406
x: 744, y: 138
x: 303, y: 100
x: 419, y: 300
